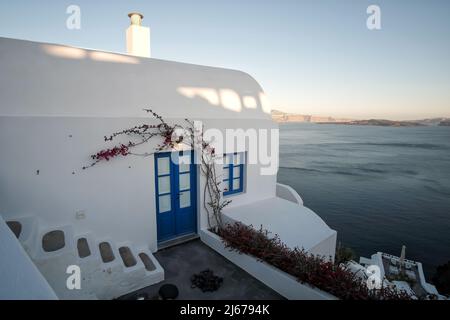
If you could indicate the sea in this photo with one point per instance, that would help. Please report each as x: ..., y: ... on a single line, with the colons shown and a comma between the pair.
x: 378, y: 187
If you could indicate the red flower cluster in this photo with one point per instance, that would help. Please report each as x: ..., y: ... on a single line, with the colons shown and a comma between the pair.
x: 307, y: 268
x: 111, y: 153
x: 144, y: 133
x: 167, y: 142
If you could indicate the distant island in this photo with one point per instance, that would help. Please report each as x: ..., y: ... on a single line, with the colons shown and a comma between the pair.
x: 379, y: 122
x: 280, y: 116
x: 283, y: 117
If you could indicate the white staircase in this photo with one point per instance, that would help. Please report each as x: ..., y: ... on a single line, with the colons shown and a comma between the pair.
x: 106, y: 276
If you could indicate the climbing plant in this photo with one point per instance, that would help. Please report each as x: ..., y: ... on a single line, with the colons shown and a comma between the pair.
x: 171, y: 137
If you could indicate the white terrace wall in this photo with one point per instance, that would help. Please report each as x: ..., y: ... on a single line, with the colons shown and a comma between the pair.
x: 57, y: 104
x: 19, y: 277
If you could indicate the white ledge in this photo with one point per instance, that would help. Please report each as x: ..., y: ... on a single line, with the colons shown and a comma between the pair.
x: 288, y: 193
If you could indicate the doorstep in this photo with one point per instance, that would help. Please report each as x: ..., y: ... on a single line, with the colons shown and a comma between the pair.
x: 177, y: 241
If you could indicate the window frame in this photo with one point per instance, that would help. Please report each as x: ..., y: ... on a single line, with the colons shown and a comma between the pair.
x: 230, y: 178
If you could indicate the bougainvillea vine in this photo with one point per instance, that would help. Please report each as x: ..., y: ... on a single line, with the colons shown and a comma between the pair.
x: 192, y: 137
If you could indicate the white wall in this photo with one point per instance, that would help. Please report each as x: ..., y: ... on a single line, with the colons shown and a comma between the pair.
x: 256, y: 186
x: 19, y: 277
x: 117, y: 197
x: 59, y: 102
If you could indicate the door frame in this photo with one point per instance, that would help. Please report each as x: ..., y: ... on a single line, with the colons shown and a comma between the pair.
x: 175, y: 178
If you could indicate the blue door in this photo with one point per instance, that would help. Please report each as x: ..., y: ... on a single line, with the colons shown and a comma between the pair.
x: 175, y: 194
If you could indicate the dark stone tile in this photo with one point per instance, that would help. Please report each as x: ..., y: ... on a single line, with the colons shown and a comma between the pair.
x: 182, y: 261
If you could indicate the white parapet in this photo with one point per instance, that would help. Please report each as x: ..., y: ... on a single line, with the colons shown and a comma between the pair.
x: 288, y: 193
x: 279, y: 281
x: 19, y: 277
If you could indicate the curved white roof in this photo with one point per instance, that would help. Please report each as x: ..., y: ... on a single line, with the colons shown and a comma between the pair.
x: 41, y: 79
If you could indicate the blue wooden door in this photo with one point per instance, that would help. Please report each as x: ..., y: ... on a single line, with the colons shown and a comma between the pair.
x: 175, y: 194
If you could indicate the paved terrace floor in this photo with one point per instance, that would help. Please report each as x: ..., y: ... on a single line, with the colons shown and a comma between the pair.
x: 182, y: 261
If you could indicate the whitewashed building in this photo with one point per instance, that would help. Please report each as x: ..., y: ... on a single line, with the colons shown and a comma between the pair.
x: 57, y: 104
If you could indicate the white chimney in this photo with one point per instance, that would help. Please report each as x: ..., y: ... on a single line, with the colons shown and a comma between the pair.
x: 138, y: 37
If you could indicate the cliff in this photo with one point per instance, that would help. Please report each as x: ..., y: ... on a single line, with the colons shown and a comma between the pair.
x: 280, y: 116
x: 283, y: 117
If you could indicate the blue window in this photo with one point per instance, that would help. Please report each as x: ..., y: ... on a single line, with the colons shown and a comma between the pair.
x: 233, y: 173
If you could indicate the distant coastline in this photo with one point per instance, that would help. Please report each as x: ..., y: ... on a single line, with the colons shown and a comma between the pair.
x: 283, y: 117
x: 378, y: 122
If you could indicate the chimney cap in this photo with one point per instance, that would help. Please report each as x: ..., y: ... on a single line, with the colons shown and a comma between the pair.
x: 136, y: 18
x: 133, y: 13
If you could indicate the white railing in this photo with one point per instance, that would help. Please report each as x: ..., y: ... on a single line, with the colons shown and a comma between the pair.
x: 288, y: 193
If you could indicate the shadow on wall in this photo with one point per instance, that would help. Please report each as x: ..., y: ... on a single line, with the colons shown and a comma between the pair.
x: 77, y: 53
x: 228, y: 98
x: 162, y: 85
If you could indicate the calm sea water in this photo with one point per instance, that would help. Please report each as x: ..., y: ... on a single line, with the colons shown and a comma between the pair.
x: 378, y: 187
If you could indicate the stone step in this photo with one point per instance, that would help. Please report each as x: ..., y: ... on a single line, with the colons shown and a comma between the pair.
x: 54, y: 242
x: 177, y: 241
x: 108, y: 270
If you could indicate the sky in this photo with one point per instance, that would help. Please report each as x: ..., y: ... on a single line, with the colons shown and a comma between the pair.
x: 311, y: 57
